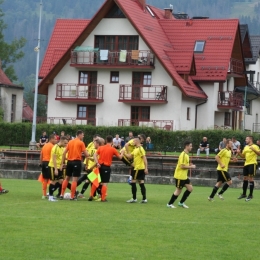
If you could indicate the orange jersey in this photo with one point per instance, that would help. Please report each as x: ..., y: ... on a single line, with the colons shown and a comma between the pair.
x: 106, y: 153
x: 46, y: 152
x: 75, y: 148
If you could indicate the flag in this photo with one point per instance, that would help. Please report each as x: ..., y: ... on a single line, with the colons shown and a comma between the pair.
x: 94, y: 177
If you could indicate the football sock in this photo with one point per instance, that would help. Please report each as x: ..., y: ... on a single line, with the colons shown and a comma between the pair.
x: 225, y: 187
x: 85, y: 186
x: 143, y: 190
x: 64, y: 186
x: 251, y: 187
x: 69, y: 186
x: 185, y: 196
x: 245, y: 184
x: 214, y: 191
x: 103, y: 192
x: 44, y: 188
x: 99, y: 189
x: 59, y: 189
x: 51, y: 189
x: 73, y: 189
x: 173, y: 198
x: 93, y: 190
x: 133, y: 186
x: 1, y: 188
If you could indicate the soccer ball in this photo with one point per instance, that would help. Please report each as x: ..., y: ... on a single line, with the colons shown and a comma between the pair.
x: 66, y: 196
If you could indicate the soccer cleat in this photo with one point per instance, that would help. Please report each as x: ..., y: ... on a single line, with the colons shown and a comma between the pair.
x: 52, y: 199
x: 61, y: 197
x: 76, y: 194
x: 90, y: 198
x: 131, y: 201
x: 75, y: 199
x: 104, y: 200
x: 144, y: 201
x: 249, y: 198
x: 170, y: 206
x: 81, y: 196
x: 220, y: 196
x: 3, y: 191
x: 98, y: 200
x: 210, y: 199
x: 242, y: 196
x: 95, y: 197
x: 183, y: 205
x: 44, y: 197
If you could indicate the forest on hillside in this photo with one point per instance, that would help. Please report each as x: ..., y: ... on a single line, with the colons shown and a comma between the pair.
x: 22, y: 19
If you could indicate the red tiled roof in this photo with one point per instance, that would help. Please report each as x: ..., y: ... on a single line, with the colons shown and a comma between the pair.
x: 4, y: 80
x: 155, y: 37
x: 63, y: 36
x: 27, y: 111
x: 219, y: 36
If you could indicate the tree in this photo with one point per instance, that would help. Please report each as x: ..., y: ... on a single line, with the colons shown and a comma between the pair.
x: 9, y: 52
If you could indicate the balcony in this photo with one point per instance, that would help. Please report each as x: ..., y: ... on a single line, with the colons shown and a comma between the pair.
x: 94, y: 58
x: 143, y: 94
x: 70, y: 121
x: 91, y: 93
x: 230, y: 100
x: 160, y: 124
x: 236, y: 67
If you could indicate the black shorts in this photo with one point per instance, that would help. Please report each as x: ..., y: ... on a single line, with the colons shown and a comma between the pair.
x: 223, y: 176
x: 181, y: 183
x: 249, y: 170
x: 73, y: 168
x: 138, y: 175
x: 54, y: 177
x: 127, y: 161
x: 105, y: 172
x: 45, y: 170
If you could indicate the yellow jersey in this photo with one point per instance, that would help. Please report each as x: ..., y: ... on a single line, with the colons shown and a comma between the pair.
x: 182, y: 174
x: 138, y: 154
x: 225, y: 156
x: 131, y: 146
x: 58, y: 151
x: 91, y: 150
x: 250, y: 156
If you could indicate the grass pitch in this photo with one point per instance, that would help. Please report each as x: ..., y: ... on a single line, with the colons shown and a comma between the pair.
x: 32, y: 228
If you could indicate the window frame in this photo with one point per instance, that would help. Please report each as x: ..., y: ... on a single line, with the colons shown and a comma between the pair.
x: 114, y: 76
x: 188, y: 113
x: 196, y: 45
x: 88, y: 113
x: 13, y: 108
x: 227, y: 119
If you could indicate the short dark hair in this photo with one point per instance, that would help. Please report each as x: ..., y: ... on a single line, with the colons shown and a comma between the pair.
x: 251, y: 137
x: 62, y: 138
x: 143, y: 136
x: 52, y: 136
x: 186, y: 143
x: 79, y: 132
x: 109, y: 139
x: 96, y: 135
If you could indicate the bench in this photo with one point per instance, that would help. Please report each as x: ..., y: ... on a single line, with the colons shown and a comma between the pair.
x: 18, y: 145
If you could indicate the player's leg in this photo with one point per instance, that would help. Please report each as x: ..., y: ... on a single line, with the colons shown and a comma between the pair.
x: 252, y: 169
x: 228, y: 182
x: 245, y: 182
x: 133, y: 174
x: 141, y: 178
x: 186, y: 194
x: 177, y: 192
x: 215, y: 190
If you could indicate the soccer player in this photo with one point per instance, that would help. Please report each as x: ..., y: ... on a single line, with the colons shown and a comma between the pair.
x: 223, y: 159
x: 181, y: 177
x: 250, y: 153
x: 56, y: 175
x: 3, y: 191
x: 75, y: 148
x: 103, y: 158
x: 139, y: 171
x: 44, y: 163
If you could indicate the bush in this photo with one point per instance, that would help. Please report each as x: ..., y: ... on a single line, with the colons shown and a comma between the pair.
x: 20, y: 133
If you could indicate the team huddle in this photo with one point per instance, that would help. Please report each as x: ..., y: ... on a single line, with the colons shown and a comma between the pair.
x: 62, y: 162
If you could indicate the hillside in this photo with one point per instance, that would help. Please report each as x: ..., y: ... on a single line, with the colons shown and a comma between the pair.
x: 22, y: 18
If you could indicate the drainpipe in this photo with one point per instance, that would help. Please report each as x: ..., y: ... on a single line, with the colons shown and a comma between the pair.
x: 196, y: 112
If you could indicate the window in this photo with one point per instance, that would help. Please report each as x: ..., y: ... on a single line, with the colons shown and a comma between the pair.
x: 13, y: 108
x: 251, y: 78
x: 114, y: 77
x: 199, y: 46
x: 87, y: 112
x: 188, y: 113
x: 116, y: 43
x: 227, y: 119
x: 139, y: 114
x: 142, y: 78
x: 88, y: 77
x: 248, y: 107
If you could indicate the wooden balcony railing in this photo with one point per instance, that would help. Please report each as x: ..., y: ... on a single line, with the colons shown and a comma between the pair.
x: 160, y: 124
x: 71, y: 121
x: 148, y: 94
x: 112, y: 58
x: 236, y: 67
x: 75, y: 92
x: 230, y: 100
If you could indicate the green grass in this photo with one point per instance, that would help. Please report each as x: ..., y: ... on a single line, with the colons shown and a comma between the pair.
x: 32, y: 228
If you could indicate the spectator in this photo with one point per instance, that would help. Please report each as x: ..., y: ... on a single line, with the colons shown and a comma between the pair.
x: 43, y: 140
x: 56, y: 136
x: 148, y: 143
x: 258, y: 142
x: 122, y: 142
x: 117, y: 142
x: 221, y: 146
x: 129, y: 137
x: 204, y: 146
x: 62, y: 133
x: 236, y: 145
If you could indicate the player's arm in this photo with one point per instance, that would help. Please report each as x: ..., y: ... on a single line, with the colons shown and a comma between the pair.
x: 242, y: 155
x: 54, y: 159
x: 95, y: 156
x: 63, y: 158
x: 127, y: 148
x: 145, y: 164
x: 186, y: 166
x: 217, y: 158
x: 255, y: 150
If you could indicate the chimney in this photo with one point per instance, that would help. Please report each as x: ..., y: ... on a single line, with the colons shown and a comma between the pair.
x: 168, y: 13
x: 142, y: 3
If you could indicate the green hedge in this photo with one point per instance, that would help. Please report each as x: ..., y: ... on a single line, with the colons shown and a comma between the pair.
x: 20, y: 133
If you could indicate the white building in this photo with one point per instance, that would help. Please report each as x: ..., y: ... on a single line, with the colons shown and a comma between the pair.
x: 134, y: 64
x: 11, y: 99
